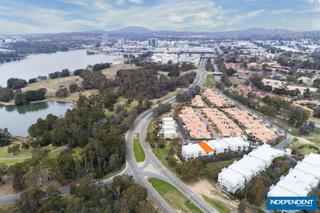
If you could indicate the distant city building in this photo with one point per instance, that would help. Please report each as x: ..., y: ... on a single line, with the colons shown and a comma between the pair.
x: 153, y: 42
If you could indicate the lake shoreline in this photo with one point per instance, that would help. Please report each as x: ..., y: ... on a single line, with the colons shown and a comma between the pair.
x: 17, y: 119
x: 11, y: 103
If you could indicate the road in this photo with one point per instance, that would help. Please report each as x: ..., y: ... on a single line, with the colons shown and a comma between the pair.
x: 159, y: 170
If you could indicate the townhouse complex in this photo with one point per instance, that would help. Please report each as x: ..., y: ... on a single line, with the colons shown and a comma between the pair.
x: 197, y: 129
x: 239, y: 173
x: 301, y: 180
x: 252, y: 125
x: 214, y: 147
x: 225, y: 126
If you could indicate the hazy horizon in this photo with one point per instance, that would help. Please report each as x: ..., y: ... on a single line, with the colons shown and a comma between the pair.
x: 188, y: 15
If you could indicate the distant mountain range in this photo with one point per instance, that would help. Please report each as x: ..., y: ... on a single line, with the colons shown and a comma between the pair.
x: 253, y: 33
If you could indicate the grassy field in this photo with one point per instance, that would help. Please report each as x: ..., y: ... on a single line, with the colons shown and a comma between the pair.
x: 210, y: 83
x: 9, y: 159
x: 22, y: 153
x: 174, y: 197
x: 138, y: 151
x: 215, y: 205
x: 162, y: 154
x: 55, y: 151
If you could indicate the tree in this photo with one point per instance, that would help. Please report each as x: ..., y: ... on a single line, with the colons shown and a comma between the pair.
x: 14, y: 149
x: 32, y: 80
x: 174, y: 73
x: 54, y: 202
x: 230, y: 72
x: 30, y: 199
x: 66, y: 166
x: 18, y: 171
x: 316, y: 112
x: 6, y: 94
x: 74, y: 88
x: 16, y: 83
x: 29, y: 96
x: 189, y: 171
x: 161, y: 109
x: 298, y: 117
x: 3, y: 171
x: 20, y: 99
x: 62, y: 93
x: 4, y: 137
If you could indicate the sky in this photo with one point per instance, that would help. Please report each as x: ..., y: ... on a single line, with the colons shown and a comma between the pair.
x: 48, y: 16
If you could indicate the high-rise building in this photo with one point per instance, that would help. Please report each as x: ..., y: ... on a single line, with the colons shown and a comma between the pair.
x: 153, y: 42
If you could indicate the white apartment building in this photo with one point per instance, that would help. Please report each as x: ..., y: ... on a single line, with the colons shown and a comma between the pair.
x: 169, y: 128
x: 238, y: 174
x: 214, y: 147
x: 301, y: 180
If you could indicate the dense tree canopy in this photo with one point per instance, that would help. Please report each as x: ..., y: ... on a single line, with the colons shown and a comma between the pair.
x: 16, y: 83
x: 4, y: 137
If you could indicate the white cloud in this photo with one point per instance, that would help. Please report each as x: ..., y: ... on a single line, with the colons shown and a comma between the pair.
x: 255, y: 13
x: 175, y: 18
x: 135, y: 1
x: 315, y: 3
x: 281, y: 11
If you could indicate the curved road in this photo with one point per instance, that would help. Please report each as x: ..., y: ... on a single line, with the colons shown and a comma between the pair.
x: 138, y: 171
x: 141, y: 126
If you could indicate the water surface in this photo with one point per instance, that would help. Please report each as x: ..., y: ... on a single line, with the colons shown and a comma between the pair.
x: 19, y: 118
x: 43, y: 64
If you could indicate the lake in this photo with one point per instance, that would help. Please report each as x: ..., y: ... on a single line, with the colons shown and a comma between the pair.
x: 19, y: 118
x: 43, y: 64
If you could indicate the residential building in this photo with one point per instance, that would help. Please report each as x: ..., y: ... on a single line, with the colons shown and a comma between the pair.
x: 169, y: 128
x: 301, y: 180
x: 214, y: 147
x: 239, y: 173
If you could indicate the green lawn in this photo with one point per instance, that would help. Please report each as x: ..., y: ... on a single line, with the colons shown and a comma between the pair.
x: 55, y: 151
x: 10, y: 162
x: 215, y: 205
x: 174, y: 197
x: 22, y: 153
x: 162, y: 154
x: 138, y: 151
x: 210, y: 82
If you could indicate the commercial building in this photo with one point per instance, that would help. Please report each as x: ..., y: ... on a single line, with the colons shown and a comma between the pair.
x: 301, y: 180
x: 214, y: 147
x: 153, y: 42
x: 169, y: 128
x: 239, y: 173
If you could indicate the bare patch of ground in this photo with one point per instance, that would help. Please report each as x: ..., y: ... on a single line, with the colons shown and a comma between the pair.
x: 204, y: 187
